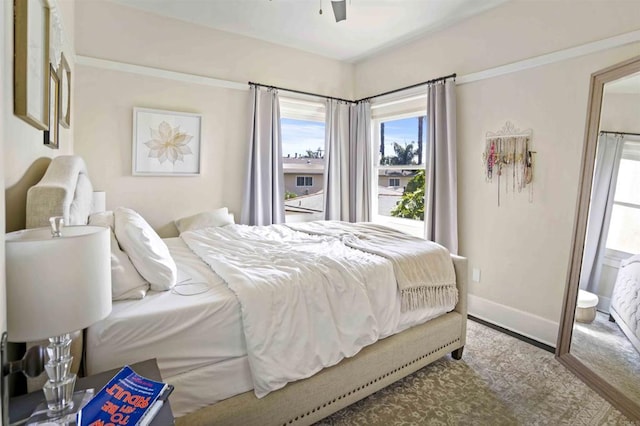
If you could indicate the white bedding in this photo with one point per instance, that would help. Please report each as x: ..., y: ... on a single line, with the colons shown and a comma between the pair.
x: 307, y: 313
x: 198, y: 340
x: 323, y: 301
x: 182, y: 332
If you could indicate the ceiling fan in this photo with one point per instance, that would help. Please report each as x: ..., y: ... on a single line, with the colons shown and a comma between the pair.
x: 339, y: 9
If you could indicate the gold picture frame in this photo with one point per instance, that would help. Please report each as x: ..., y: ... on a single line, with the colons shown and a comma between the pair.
x: 31, y: 63
x: 52, y: 136
x: 64, y: 104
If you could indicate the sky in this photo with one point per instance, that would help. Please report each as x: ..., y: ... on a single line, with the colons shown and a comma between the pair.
x: 299, y: 135
x: 404, y: 132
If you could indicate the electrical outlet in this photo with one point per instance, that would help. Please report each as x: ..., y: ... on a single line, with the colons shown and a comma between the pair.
x: 476, y: 275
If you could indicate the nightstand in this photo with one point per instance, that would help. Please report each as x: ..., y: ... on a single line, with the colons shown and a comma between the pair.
x: 21, y: 407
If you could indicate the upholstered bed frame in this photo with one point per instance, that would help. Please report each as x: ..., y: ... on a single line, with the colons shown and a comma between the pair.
x: 66, y: 190
x: 376, y: 366
x: 625, y: 300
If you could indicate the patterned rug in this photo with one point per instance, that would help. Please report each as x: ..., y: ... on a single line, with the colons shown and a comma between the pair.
x: 603, y: 346
x: 499, y: 381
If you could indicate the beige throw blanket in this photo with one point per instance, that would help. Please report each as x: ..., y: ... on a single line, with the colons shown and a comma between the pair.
x: 423, y: 269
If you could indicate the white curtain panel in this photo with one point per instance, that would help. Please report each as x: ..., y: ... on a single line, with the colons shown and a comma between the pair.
x: 336, y: 160
x: 361, y: 163
x: 263, y: 202
x: 605, y: 177
x: 441, y: 192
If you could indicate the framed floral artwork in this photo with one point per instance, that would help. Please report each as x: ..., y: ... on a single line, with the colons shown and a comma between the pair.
x: 166, y: 143
x: 31, y: 62
x: 52, y: 136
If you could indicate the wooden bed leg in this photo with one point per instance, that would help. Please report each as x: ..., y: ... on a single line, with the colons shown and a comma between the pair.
x: 457, y: 354
x: 611, y: 318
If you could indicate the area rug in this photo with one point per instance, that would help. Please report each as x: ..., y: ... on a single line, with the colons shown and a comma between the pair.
x: 603, y: 347
x: 499, y: 381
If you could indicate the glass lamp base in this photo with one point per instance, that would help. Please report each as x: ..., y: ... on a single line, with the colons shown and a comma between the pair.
x: 58, y: 390
x: 67, y: 417
x: 59, y: 394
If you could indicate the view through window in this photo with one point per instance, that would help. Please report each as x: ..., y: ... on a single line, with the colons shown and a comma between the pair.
x: 400, y: 166
x: 624, y: 228
x: 303, y: 164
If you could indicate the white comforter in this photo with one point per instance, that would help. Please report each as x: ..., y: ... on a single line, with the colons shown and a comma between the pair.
x: 307, y: 301
x: 423, y: 269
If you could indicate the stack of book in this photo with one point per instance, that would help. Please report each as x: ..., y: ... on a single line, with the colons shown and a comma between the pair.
x: 128, y: 399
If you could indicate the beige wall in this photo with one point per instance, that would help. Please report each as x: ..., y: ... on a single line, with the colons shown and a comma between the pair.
x: 105, y: 101
x: 521, y: 247
x: 25, y: 155
x: 516, y: 30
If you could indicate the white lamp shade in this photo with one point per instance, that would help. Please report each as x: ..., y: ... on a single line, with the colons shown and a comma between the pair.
x: 56, y: 285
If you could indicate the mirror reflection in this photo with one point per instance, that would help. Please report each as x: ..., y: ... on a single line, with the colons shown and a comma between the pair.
x: 606, y: 332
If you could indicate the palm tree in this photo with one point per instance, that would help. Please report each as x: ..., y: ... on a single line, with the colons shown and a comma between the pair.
x: 381, y: 142
x: 404, y: 155
x: 419, y: 153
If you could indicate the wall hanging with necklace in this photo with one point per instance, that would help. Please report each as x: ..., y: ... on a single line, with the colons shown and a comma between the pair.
x: 508, y: 159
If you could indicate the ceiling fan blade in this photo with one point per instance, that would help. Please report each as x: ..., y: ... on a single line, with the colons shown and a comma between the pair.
x: 339, y: 9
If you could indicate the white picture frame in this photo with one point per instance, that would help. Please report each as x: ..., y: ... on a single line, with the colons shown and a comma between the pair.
x: 166, y: 143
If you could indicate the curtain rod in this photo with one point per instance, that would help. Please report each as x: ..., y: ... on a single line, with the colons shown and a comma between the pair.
x: 435, y: 80
x: 298, y: 91
x: 620, y: 133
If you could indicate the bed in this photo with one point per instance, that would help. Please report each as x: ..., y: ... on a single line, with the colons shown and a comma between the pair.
x: 200, y: 338
x: 625, y: 299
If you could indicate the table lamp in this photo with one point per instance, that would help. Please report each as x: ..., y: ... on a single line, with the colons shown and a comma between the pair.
x: 58, y: 281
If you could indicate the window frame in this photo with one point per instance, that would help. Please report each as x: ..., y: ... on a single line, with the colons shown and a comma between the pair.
x: 630, y: 151
x: 305, y: 109
x: 399, y: 110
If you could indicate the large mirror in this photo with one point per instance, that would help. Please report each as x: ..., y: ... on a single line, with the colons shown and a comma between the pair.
x: 599, y: 338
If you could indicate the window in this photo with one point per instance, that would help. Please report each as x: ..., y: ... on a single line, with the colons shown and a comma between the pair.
x: 302, y: 128
x: 624, y: 227
x: 304, y: 181
x: 400, y: 142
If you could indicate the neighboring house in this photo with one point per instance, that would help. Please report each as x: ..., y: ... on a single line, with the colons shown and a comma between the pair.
x: 303, y: 176
x: 394, y: 178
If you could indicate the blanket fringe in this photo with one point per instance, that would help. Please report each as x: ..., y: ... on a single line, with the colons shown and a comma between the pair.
x: 421, y: 297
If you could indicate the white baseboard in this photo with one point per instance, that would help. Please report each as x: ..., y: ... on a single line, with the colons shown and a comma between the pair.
x: 521, y: 322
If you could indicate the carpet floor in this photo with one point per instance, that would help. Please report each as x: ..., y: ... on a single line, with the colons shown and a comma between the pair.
x: 499, y: 381
x: 603, y: 347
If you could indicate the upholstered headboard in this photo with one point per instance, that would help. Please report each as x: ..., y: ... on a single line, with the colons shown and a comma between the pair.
x: 64, y: 190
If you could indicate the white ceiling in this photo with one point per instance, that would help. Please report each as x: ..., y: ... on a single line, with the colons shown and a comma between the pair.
x: 626, y: 85
x: 371, y: 25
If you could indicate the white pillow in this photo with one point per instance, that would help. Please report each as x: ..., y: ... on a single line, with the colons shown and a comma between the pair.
x: 214, y: 218
x: 102, y: 219
x: 126, y: 282
x: 148, y: 253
